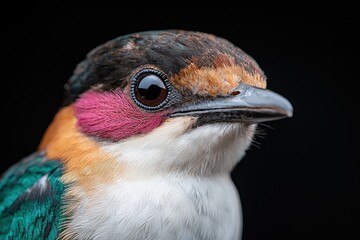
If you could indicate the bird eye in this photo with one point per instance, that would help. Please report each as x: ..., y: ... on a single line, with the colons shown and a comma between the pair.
x: 150, y: 89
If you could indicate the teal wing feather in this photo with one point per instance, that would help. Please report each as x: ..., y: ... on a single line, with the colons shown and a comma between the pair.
x: 31, y: 199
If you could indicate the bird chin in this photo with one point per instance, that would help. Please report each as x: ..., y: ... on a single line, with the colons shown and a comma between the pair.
x: 178, y: 145
x: 229, y: 126
x: 217, y: 147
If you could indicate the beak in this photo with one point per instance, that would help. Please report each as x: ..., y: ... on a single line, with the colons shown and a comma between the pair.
x: 245, y: 104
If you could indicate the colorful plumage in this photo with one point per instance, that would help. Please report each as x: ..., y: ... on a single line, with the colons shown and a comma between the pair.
x: 151, y: 127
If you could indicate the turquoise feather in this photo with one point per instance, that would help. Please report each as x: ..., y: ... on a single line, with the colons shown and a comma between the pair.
x: 31, y: 199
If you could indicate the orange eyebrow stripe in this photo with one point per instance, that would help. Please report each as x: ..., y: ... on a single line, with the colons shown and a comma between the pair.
x: 215, y: 81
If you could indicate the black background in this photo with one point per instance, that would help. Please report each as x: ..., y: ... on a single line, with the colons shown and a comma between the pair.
x: 301, y: 181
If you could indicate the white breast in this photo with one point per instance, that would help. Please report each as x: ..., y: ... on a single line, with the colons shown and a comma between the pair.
x: 175, y: 184
x: 167, y: 207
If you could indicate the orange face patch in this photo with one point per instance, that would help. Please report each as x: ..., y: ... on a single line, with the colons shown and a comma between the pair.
x: 219, y: 80
x: 84, y: 162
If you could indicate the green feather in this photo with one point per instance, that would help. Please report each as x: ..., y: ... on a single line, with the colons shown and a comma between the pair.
x: 31, y: 199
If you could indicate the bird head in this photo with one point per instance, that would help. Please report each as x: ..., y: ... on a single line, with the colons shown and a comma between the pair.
x: 162, y: 101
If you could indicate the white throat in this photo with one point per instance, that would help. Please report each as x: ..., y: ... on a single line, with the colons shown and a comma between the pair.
x: 175, y: 146
x: 176, y: 186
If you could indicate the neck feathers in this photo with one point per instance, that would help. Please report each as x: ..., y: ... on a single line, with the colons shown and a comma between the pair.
x: 83, y: 159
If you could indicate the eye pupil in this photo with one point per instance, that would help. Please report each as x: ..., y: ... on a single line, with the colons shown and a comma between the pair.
x: 150, y: 87
x: 150, y: 90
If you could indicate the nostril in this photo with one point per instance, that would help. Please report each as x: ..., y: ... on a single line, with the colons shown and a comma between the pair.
x: 234, y: 93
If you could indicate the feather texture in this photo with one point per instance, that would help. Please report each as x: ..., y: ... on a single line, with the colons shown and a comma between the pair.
x: 30, y: 199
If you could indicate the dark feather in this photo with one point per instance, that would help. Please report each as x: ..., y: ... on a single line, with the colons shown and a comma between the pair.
x: 110, y: 65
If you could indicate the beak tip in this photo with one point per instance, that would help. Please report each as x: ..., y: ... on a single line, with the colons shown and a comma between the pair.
x: 286, y: 107
x: 289, y: 114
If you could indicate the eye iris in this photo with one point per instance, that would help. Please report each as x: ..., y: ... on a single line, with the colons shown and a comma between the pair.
x: 151, y: 90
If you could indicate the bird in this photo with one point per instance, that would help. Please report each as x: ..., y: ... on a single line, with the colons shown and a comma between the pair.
x: 151, y: 126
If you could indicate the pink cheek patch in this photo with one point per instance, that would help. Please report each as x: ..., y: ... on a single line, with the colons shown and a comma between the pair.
x: 112, y: 115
